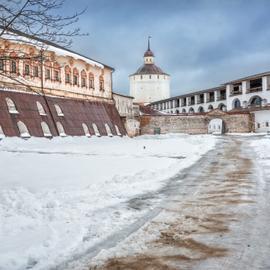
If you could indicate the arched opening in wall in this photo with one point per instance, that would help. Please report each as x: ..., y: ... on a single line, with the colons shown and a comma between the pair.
x: 58, y: 110
x: 46, y: 130
x: 60, y: 129
x: 200, y: 109
x: 222, y: 107
x: 75, y: 76
x: 96, y: 130
x: 101, y: 83
x: 177, y: 111
x: 2, y: 134
x: 236, y: 104
x: 86, y: 130
x: 108, y: 130
x: 40, y: 108
x: 216, y: 126
x: 11, y: 106
x: 191, y: 110
x: 184, y: 111
x: 210, y: 108
x: 117, y: 130
x: 67, y: 74
x: 255, y: 101
x: 24, y: 133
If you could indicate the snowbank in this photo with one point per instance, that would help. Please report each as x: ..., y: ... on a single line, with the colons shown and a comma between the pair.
x: 59, y: 197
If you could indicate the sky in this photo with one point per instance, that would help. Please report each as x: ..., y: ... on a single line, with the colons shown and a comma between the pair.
x: 201, y: 44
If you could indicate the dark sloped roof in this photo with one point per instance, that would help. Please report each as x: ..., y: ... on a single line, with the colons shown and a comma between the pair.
x: 148, y: 53
x: 149, y: 69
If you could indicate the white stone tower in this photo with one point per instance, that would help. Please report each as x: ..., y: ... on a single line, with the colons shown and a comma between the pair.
x: 149, y: 83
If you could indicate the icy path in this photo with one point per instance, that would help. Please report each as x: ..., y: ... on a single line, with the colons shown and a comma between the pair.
x: 216, y: 215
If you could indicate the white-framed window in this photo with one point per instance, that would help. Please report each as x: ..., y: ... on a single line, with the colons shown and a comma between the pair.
x: 46, y: 129
x: 24, y: 133
x: 86, y: 130
x: 40, y: 108
x: 96, y: 130
x: 60, y: 129
x: 11, y: 106
x: 58, y: 110
x: 108, y: 130
x: 117, y: 130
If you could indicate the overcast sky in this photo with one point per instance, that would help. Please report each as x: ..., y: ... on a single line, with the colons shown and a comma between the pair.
x: 200, y: 44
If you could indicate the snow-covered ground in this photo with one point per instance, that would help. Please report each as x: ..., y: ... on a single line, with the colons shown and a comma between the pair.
x: 59, y: 197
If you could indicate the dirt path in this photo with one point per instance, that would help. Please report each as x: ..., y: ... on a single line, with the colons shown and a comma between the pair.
x: 217, y: 218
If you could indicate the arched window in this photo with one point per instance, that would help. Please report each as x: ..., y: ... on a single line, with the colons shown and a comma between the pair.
x: 46, y: 129
x: 83, y: 78
x: 11, y: 106
x: 67, y: 74
x: 117, y: 130
x: 108, y: 130
x: 60, y: 129
x: 255, y: 101
x: 200, y: 110
x: 24, y: 133
x: 101, y: 83
x: 26, y: 71
x: 2, y: 134
x: 86, y: 130
x: 191, y: 110
x: 97, y: 133
x: 222, y: 107
x: 75, y: 76
x: 58, y: 110
x: 91, y: 81
x: 48, y: 70
x: 210, y: 108
x: 177, y: 111
x: 236, y: 104
x: 40, y: 108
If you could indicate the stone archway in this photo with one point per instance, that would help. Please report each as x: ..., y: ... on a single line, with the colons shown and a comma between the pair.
x: 216, y: 126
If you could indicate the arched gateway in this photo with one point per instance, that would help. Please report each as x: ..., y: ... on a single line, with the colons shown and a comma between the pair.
x: 216, y: 126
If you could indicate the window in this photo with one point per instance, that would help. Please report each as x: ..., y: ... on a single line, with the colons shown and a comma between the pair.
x: 150, y: 76
x: 60, y: 129
x: 67, y: 78
x: 24, y: 133
x: 35, y: 72
x: 56, y: 75
x: 258, y: 125
x: 67, y: 74
x: 47, y: 74
x: 46, y: 129
x: 83, y: 82
x: 117, y: 130
x: 91, y: 81
x: 2, y: 64
x: 101, y: 83
x: 86, y: 130
x: 27, y: 69
x: 95, y: 128
x: 40, y: 108
x: 11, y: 106
x: 13, y: 68
x: 108, y: 130
x: 75, y: 79
x: 267, y: 124
x: 58, y: 110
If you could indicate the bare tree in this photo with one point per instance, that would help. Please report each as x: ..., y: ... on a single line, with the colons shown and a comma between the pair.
x: 40, y: 19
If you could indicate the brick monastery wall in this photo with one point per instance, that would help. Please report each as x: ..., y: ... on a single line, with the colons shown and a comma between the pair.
x: 75, y: 112
x: 197, y: 123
